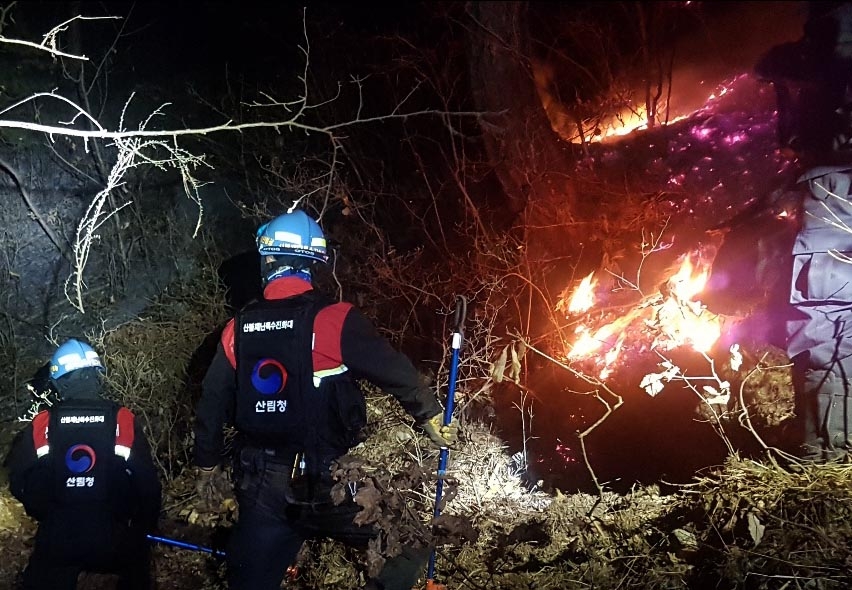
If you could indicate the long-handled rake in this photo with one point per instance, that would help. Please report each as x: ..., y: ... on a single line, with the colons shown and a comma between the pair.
x: 458, y: 337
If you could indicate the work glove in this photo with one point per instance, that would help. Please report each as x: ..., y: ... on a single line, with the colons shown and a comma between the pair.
x: 440, y: 435
x: 212, y: 487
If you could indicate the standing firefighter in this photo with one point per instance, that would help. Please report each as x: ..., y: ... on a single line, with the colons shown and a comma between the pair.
x: 813, y: 82
x: 83, y: 470
x: 284, y: 375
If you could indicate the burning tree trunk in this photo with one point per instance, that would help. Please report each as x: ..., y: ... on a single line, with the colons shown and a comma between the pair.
x: 528, y: 157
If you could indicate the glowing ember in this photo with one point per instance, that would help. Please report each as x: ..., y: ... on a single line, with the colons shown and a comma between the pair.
x: 701, y: 132
x: 735, y: 138
x: 565, y: 452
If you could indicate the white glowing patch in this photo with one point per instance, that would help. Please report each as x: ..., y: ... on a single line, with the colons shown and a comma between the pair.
x: 288, y: 237
x: 318, y: 242
x: 73, y: 360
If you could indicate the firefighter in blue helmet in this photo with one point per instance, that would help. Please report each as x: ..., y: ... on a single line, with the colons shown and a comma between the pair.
x: 284, y: 375
x: 83, y: 470
x: 813, y: 82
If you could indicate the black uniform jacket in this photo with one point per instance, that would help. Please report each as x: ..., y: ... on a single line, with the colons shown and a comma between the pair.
x: 344, y: 340
x: 135, y: 483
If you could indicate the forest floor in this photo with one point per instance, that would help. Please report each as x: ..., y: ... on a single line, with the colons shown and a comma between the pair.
x: 744, y: 524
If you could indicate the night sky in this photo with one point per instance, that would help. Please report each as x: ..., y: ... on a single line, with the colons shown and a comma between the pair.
x: 198, y: 39
x: 258, y: 39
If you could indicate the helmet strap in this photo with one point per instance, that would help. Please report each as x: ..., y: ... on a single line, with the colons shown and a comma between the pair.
x: 289, y: 271
x: 275, y: 267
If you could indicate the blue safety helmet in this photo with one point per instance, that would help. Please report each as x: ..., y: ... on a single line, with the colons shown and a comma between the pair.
x: 71, y: 356
x: 292, y: 234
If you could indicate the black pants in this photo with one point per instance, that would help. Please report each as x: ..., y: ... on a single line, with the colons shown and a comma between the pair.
x: 56, y: 563
x: 271, y: 529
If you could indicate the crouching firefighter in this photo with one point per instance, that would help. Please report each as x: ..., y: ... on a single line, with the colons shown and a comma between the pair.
x: 84, y: 471
x: 284, y: 374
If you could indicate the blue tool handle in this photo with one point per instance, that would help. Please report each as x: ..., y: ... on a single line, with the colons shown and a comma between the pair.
x: 184, y: 545
x: 443, y: 458
x: 451, y: 388
x: 458, y: 338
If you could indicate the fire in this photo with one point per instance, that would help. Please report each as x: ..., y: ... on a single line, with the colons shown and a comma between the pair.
x: 666, y: 320
x: 689, y: 281
x: 684, y: 321
x: 588, y: 344
x: 623, y: 123
x: 612, y: 355
x: 584, y: 297
x: 635, y: 117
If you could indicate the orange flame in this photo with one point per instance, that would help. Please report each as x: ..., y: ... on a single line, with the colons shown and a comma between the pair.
x: 635, y: 118
x: 674, y: 316
x: 685, y: 321
x: 689, y: 281
x: 584, y: 297
x: 589, y: 343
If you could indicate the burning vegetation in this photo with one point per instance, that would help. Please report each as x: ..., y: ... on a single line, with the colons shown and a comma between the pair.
x: 671, y: 318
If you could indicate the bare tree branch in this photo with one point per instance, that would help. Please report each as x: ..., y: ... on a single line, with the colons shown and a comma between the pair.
x: 49, y: 41
x: 292, y: 122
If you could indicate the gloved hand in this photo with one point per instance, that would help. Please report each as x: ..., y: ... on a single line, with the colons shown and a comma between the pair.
x: 211, y: 486
x: 440, y: 435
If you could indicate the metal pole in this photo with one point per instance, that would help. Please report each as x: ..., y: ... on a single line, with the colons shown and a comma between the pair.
x: 443, y: 459
x: 185, y: 545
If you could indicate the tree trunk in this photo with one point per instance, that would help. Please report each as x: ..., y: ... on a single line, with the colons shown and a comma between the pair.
x: 528, y: 157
